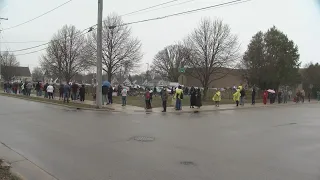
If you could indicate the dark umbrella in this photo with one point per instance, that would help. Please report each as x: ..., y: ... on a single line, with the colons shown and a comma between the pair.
x: 106, y: 84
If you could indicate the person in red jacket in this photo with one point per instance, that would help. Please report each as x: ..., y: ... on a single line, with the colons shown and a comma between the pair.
x: 265, y: 97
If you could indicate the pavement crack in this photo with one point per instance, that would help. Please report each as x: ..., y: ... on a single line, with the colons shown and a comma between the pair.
x: 13, y: 162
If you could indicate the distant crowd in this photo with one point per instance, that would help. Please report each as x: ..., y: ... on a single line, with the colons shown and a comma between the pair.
x: 77, y: 92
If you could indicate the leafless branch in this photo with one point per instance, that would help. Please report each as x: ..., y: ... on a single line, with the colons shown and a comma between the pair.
x: 212, y: 50
x: 120, y: 50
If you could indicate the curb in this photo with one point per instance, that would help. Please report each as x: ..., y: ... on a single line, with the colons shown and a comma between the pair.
x: 57, y: 104
x: 228, y: 109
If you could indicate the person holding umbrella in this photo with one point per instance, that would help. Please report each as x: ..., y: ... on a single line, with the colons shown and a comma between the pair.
x: 105, y: 89
x: 271, y: 95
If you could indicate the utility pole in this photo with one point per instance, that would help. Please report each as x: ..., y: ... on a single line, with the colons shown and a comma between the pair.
x: 0, y: 46
x: 99, y: 56
x: 147, y: 72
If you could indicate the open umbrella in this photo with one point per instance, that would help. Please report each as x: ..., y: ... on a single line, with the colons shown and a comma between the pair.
x: 271, y: 91
x: 106, y: 84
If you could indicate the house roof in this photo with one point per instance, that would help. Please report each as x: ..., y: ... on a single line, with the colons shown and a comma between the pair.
x: 16, y: 71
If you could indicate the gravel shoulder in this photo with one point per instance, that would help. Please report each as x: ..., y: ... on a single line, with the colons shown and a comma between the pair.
x: 5, y: 173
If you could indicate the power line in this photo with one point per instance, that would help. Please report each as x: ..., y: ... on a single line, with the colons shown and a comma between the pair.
x: 150, y: 7
x: 30, y: 52
x: 230, y: 3
x: 161, y: 4
x: 21, y: 42
x: 166, y: 6
x: 234, y: 2
x: 37, y: 16
x: 82, y: 33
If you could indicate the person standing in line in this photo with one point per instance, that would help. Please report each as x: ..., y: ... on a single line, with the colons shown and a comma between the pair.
x: 74, y: 88
x: 242, y: 96
x: 29, y: 88
x: 236, y: 97
x: 66, y: 93
x: 82, y: 92
x: 309, y: 96
x: 124, y: 93
x: 151, y: 95
x: 198, y: 98
x: 253, y: 95
x: 5, y: 86
x: 38, y: 88
x: 23, y: 90
x: 50, y: 91
x: 155, y: 91
x: 179, y: 97
x: 265, y: 97
x: 61, y: 92
x: 147, y: 99
x: 192, y: 97
x: 164, y: 98
x: 279, y: 97
x: 110, y: 92
x: 45, y: 90
x: 217, y: 98
x: 105, y: 90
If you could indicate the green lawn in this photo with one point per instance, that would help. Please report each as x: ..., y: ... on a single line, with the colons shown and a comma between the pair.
x: 135, y: 101
x: 45, y: 100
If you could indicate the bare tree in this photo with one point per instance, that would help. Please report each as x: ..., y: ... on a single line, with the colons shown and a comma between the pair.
x: 167, y: 62
x: 67, y: 54
x: 37, y: 74
x: 7, y: 60
x: 212, y: 52
x: 119, y: 48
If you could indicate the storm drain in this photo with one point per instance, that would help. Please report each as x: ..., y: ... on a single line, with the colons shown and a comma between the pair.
x: 187, y: 163
x: 143, y: 138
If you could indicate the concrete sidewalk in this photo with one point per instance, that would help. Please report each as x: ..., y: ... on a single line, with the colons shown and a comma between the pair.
x: 185, y: 109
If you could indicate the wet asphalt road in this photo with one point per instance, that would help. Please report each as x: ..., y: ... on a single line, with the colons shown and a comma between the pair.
x: 254, y: 144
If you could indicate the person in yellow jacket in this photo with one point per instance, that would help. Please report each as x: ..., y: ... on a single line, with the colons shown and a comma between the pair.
x: 236, y: 96
x: 179, y: 96
x: 217, y: 98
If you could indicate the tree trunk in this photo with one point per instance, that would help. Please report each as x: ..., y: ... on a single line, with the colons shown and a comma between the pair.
x: 205, y: 91
x: 109, y: 76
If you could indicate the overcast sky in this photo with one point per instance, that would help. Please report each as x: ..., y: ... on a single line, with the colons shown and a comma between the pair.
x: 299, y: 19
